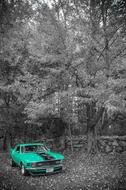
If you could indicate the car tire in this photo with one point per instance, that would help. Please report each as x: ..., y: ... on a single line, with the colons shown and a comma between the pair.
x: 13, y: 164
x: 23, y: 170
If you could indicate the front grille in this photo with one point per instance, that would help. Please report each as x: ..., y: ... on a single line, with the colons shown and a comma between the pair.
x: 48, y: 163
x: 43, y: 171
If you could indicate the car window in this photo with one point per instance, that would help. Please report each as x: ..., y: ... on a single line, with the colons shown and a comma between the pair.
x: 34, y: 148
x: 18, y: 149
x: 29, y: 148
x: 41, y: 148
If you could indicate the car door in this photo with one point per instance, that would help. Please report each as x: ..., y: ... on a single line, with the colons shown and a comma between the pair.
x: 17, y: 155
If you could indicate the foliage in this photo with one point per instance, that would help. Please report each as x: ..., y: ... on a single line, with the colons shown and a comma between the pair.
x: 63, y: 59
x: 14, y: 16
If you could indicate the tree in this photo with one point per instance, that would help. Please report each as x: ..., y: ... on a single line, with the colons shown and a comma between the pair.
x: 51, y: 47
x: 102, y: 23
x: 14, y: 16
x: 88, y: 63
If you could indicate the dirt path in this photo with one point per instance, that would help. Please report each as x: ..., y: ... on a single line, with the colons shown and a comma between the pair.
x: 104, y: 172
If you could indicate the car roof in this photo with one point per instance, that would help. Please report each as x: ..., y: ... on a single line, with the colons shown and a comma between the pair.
x: 30, y: 144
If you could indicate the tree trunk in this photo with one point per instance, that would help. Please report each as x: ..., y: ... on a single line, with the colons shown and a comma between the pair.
x: 71, y: 142
x: 104, y: 13
x: 92, y: 140
x: 62, y: 142
x: 5, y: 142
x: 93, y: 121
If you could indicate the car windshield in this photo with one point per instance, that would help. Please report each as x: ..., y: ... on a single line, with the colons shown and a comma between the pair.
x: 34, y: 148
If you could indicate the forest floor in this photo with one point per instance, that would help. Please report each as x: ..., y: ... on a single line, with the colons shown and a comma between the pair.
x: 107, y: 172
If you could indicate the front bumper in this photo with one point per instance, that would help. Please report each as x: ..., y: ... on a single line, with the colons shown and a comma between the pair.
x: 44, y: 170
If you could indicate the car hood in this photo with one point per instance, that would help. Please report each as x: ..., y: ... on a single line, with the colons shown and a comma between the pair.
x: 41, y: 156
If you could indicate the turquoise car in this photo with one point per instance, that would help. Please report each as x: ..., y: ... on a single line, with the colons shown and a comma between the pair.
x: 36, y: 159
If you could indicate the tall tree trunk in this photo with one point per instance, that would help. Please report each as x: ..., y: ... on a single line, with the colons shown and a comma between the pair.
x: 71, y: 141
x: 104, y: 13
x: 93, y: 115
x: 5, y: 142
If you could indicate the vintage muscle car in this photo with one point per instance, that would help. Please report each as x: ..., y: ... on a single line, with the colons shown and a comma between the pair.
x: 36, y: 158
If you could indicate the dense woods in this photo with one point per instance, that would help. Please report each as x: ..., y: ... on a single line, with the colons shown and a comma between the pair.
x: 62, y: 69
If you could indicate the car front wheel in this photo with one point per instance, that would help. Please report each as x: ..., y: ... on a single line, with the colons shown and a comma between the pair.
x: 13, y: 164
x: 23, y: 170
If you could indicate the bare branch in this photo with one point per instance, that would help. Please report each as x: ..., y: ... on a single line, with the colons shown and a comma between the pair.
x: 109, y: 41
x: 118, y: 54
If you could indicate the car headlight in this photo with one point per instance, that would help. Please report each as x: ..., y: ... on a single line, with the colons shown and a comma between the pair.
x: 58, y: 162
x: 61, y: 161
x: 33, y: 164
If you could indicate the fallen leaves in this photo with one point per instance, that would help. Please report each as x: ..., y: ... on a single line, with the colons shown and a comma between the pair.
x: 103, y: 172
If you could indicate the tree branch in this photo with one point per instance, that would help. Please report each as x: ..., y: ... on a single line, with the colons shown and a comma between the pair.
x: 118, y: 54
x: 109, y: 41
